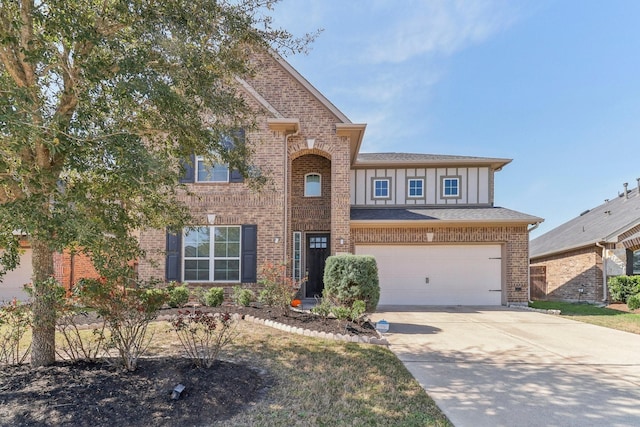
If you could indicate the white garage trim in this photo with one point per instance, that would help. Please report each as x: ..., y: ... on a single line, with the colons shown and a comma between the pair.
x: 438, y: 274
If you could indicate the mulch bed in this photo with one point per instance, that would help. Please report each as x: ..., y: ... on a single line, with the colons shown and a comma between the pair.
x: 102, y: 394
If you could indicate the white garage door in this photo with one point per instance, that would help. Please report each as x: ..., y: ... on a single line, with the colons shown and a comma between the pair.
x: 11, y: 284
x: 438, y: 275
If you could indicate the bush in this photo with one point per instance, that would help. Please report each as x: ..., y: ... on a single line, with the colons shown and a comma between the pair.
x: 242, y: 296
x: 178, y: 295
x: 622, y: 287
x: 348, y: 278
x: 127, y: 313
x: 278, y: 288
x: 15, y: 321
x: 633, y: 302
x: 214, y: 297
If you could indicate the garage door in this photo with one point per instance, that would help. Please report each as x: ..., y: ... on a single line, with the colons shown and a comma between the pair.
x: 438, y: 275
x: 12, y: 284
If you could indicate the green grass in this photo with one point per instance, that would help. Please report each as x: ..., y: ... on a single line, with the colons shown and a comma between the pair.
x: 589, y: 313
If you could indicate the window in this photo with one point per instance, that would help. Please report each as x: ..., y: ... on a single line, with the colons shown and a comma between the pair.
x: 318, y: 242
x: 415, y: 187
x: 206, y: 172
x: 636, y: 262
x: 297, y: 256
x: 381, y: 188
x: 312, y: 187
x: 201, y: 263
x: 450, y: 187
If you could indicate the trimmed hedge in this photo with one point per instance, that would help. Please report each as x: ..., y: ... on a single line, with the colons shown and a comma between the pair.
x: 348, y: 278
x: 622, y: 287
x: 633, y: 302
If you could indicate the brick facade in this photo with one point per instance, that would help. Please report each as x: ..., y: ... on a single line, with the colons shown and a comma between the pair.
x: 567, y: 273
x: 70, y: 267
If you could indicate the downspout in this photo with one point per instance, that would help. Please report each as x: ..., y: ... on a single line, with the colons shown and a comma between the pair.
x: 285, y: 237
x: 604, y: 272
x: 529, y: 230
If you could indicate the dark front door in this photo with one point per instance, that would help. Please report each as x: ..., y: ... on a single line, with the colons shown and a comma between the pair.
x: 317, y: 253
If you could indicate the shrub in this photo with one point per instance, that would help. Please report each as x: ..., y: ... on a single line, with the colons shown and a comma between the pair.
x: 622, y: 287
x: 633, y: 302
x: 15, y: 321
x: 76, y: 346
x: 203, y: 335
x: 242, y: 296
x: 214, y: 297
x: 127, y: 313
x: 178, y: 295
x: 348, y: 278
x: 323, y: 309
x: 278, y: 288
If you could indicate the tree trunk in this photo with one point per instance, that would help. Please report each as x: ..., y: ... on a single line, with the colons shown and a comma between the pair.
x: 44, y: 313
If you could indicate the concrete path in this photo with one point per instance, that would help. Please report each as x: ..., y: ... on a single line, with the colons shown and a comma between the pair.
x: 508, y: 367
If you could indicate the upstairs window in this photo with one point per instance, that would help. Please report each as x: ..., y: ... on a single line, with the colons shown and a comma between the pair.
x: 415, y: 187
x: 207, y: 172
x: 450, y: 187
x: 381, y: 188
x: 312, y: 185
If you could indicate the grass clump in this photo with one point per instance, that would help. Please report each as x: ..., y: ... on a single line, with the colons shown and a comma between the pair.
x: 596, y: 315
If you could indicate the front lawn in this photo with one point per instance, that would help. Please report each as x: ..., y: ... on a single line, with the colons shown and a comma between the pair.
x: 589, y: 313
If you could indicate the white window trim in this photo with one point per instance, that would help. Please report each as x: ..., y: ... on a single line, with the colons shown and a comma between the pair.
x: 451, y: 196
x: 212, y: 258
x: 421, y: 195
x: 306, y: 194
x: 373, y: 188
x: 203, y: 159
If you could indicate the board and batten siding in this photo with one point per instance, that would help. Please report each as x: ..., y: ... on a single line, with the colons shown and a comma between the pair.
x: 475, y: 186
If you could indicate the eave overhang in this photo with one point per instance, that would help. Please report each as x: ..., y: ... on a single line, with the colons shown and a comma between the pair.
x: 284, y: 125
x: 355, y: 133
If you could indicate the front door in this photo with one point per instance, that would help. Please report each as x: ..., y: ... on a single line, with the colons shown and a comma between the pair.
x: 317, y: 253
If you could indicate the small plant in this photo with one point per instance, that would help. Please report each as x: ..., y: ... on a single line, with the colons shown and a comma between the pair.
x: 178, y: 295
x: 633, y: 302
x: 15, y: 321
x: 278, y: 288
x: 242, y: 296
x: 214, y: 297
x: 203, y: 335
x: 127, y: 313
x: 76, y: 346
x: 358, y: 308
x: 323, y: 309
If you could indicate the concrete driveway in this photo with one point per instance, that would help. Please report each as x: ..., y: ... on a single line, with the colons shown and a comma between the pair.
x: 488, y: 366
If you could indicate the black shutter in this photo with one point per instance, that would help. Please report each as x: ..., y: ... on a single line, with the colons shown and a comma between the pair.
x: 189, y: 170
x: 173, y: 261
x: 237, y: 135
x: 249, y: 273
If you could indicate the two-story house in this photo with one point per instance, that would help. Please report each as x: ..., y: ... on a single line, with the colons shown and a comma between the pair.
x: 429, y: 220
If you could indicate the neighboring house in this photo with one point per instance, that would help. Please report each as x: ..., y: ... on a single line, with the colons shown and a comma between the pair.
x: 573, y: 261
x: 429, y: 220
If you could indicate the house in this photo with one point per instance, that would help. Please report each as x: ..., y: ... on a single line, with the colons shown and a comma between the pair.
x: 429, y: 220
x: 13, y: 282
x: 573, y: 261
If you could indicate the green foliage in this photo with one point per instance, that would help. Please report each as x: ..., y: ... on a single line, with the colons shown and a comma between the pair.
x: 214, y: 297
x: 326, y: 308
x: 348, y: 278
x: 242, y: 296
x: 100, y: 101
x: 127, y: 313
x: 75, y: 345
x: 278, y: 289
x: 15, y: 322
x: 178, y: 295
x: 622, y: 287
x: 633, y: 302
x: 203, y: 335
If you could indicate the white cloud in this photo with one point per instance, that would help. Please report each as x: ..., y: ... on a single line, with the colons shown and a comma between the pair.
x: 419, y: 27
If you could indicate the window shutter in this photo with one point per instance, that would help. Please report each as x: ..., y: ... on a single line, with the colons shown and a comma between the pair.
x: 249, y: 273
x: 173, y: 261
x: 189, y: 170
x: 237, y: 135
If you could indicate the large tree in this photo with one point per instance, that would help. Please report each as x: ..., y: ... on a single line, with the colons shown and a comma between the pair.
x: 98, y: 98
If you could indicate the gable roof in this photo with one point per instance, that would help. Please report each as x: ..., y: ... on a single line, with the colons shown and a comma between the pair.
x: 443, y: 214
x: 602, y: 224
x: 416, y: 159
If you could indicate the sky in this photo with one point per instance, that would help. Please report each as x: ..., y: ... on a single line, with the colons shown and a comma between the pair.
x: 552, y: 84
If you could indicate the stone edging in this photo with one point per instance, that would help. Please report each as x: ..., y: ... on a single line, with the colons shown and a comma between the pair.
x: 538, y: 310
x: 285, y: 328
